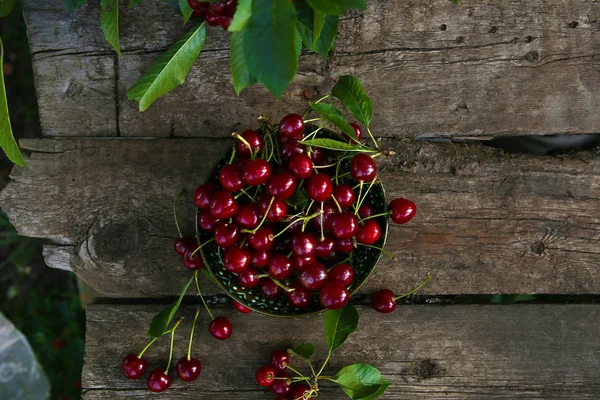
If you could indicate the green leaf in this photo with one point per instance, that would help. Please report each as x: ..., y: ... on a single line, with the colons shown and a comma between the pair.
x: 243, y: 12
x: 337, y: 7
x: 6, y: 7
x: 339, y: 324
x: 351, y: 93
x: 133, y: 3
x: 270, y: 44
x: 186, y: 10
x: 332, y: 144
x: 318, y: 21
x: 328, y: 35
x: 456, y: 2
x: 161, y: 321
x: 239, y: 70
x: 333, y: 115
x: 298, y: 199
x: 72, y: 5
x: 7, y: 140
x: 170, y: 70
x: 110, y: 22
x: 361, y: 381
x: 305, y: 350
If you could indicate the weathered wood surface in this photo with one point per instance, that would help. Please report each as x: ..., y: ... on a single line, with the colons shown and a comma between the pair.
x: 427, y: 352
x: 485, y: 69
x: 487, y: 222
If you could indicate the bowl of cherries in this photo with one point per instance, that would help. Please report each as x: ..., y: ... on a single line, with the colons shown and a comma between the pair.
x: 294, y: 218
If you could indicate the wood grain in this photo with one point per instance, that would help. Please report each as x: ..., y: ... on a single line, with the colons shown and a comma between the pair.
x: 427, y: 352
x: 487, y: 222
x: 484, y: 69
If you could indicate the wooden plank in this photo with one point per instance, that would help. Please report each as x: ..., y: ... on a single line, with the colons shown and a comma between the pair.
x: 433, y: 70
x: 427, y: 352
x: 487, y: 222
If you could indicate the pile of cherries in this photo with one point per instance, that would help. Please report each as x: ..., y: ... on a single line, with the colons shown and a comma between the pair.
x: 269, y: 241
x: 219, y: 13
x: 274, y: 376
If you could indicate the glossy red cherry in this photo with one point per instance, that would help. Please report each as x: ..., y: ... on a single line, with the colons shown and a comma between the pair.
x: 230, y: 178
x: 133, y: 367
x: 249, y: 278
x: 158, y: 381
x: 334, y: 296
x: 185, y: 244
x: 226, y: 233
x: 241, y: 308
x: 344, y: 245
x: 277, y: 212
x: 265, y: 376
x: 280, y: 267
x: 300, y: 165
x: 358, y: 131
x: 402, y: 210
x: 290, y: 147
x: 213, y: 19
x: 221, y: 328
x: 226, y: 22
x: 206, y: 220
x: 365, y: 211
x: 262, y: 239
x: 236, y: 260
x: 280, y: 359
x: 383, y: 301
x: 256, y: 172
x: 302, y: 262
x: 369, y: 232
x: 328, y: 209
x: 260, y: 258
x: 344, y: 194
x: 303, y: 244
x: 300, y: 297
x: 314, y: 276
x: 325, y: 247
x: 282, y: 185
x: 292, y: 126
x: 342, y: 274
x: 197, y: 5
x: 247, y: 216
x: 319, y: 156
x: 217, y: 7
x: 188, y: 370
x: 223, y: 205
x: 281, y: 386
x: 319, y: 187
x: 269, y: 289
x: 193, y: 262
x: 344, y: 225
x: 363, y: 168
x: 203, y: 195
x: 300, y: 392
x: 252, y: 137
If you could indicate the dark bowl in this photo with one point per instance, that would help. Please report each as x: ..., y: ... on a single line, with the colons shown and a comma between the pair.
x: 363, y: 260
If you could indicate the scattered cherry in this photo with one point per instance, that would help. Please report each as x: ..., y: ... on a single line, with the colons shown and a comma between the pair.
x: 402, y: 210
x: 158, y: 381
x: 280, y: 359
x: 133, y: 367
x: 383, y: 301
x: 281, y: 386
x: 302, y: 262
x: 221, y: 328
x: 185, y: 244
x: 265, y: 376
x: 188, y: 370
x: 192, y: 261
x: 300, y: 392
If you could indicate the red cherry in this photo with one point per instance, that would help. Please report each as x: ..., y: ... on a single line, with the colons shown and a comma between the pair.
x: 291, y: 126
x: 236, y: 260
x: 300, y: 165
x: 256, y: 172
x: 213, y: 19
x: 262, y: 239
x: 365, y: 211
x: 402, y: 210
x: 342, y: 274
x: 314, y: 276
x: 269, y: 289
x: 303, y: 244
x: 300, y: 392
x: 344, y: 194
x: 252, y: 137
x: 230, y: 178
x: 185, y: 244
x: 319, y: 156
x: 188, y: 370
x: 302, y: 262
x: 344, y: 225
x: 280, y: 359
x: 300, y: 297
x: 260, y: 258
x: 198, y: 5
x: 249, y: 278
x: 241, y: 308
x: 158, y: 381
x: 334, y: 296
x: 226, y: 233
x: 265, y: 376
x: 226, y: 22
x: 221, y: 328
x: 383, y: 301
x: 325, y: 247
x: 319, y: 188
x: 206, y: 220
x: 282, y: 185
x: 230, y: 7
x: 247, y: 216
x: 217, y: 8
x: 281, y: 386
x: 328, y: 209
x: 223, y: 205
x: 278, y: 210
x: 133, y: 367
x: 280, y: 267
x: 290, y: 147
x: 358, y: 131
x: 193, y: 262
x: 203, y: 195
x: 363, y: 168
x: 369, y: 232
x: 344, y: 245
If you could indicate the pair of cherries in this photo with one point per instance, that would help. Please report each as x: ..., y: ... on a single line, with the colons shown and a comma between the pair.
x: 216, y: 14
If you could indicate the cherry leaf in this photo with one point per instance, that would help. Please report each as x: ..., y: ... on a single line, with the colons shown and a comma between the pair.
x: 243, y: 12
x: 239, y: 70
x: 6, y: 7
x: 361, y: 381
x: 161, y: 321
x: 353, y: 96
x: 339, y: 324
x: 333, y: 144
x: 333, y: 115
x: 186, y: 10
x: 305, y: 351
x: 7, y: 140
x: 109, y: 17
x: 337, y: 7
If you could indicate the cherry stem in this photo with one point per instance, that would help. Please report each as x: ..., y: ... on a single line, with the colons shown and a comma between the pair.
x: 192, y: 334
x: 260, y: 276
x: 296, y: 372
x: 323, y: 366
x: 202, y: 297
x: 321, y: 224
x: 201, y: 246
x: 239, y: 137
x: 281, y: 285
x: 175, y: 214
x: 373, y: 138
x: 427, y: 279
x: 322, y: 98
x: 314, y: 133
x: 390, y: 255
x: 262, y: 221
x: 376, y: 216
x: 307, y: 121
x: 232, y: 155
x: 148, y: 346
x: 337, y: 168
x: 336, y: 203
x: 307, y: 218
x: 172, y: 342
x: 360, y: 201
x: 248, y: 194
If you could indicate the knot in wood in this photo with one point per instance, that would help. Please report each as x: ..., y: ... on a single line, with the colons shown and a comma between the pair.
x: 538, y: 248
